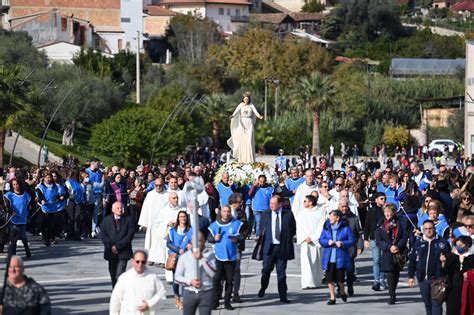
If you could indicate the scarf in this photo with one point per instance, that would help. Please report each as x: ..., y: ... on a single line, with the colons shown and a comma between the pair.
x: 117, y: 191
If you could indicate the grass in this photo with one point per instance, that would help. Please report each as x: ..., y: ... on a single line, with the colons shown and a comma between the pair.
x: 81, y: 149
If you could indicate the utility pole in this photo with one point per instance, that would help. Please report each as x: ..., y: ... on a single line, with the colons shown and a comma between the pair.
x: 265, y: 109
x: 138, y: 67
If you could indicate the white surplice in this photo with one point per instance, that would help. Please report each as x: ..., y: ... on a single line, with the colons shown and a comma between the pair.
x: 301, y: 192
x: 153, y: 205
x: 310, y: 224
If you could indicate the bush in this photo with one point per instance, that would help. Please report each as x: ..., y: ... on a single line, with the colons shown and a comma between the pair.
x: 397, y: 136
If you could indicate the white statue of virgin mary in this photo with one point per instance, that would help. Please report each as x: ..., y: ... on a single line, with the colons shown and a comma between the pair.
x: 242, y: 142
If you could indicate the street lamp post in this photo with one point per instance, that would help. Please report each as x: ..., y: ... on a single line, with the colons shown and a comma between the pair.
x: 138, y: 67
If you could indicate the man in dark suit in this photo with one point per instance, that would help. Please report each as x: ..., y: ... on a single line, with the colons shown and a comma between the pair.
x: 279, y: 228
x: 117, y: 234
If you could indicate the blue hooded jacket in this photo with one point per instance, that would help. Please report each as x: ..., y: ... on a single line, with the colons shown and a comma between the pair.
x: 345, y: 235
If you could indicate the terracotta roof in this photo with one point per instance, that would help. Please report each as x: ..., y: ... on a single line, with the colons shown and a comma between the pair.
x: 275, y: 6
x: 155, y: 10
x: 272, y: 18
x: 189, y: 2
x: 298, y: 17
x: 463, y: 6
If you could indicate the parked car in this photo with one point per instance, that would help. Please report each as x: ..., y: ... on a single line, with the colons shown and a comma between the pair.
x: 438, y: 144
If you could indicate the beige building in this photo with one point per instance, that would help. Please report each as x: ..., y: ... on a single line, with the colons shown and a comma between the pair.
x: 469, y: 101
x: 156, y: 20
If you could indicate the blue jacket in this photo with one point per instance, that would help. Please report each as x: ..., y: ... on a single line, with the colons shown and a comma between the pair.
x: 224, y: 193
x: 418, y: 260
x: 19, y: 204
x: 177, y: 241
x: 261, y: 198
x: 51, y: 197
x: 345, y: 235
x: 95, y: 178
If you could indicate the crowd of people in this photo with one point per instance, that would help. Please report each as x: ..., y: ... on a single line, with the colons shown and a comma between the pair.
x: 408, y: 216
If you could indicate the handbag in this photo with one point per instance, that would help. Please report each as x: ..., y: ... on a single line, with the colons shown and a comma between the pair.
x: 438, y: 289
x: 172, y: 259
x: 257, y: 253
x: 400, y: 258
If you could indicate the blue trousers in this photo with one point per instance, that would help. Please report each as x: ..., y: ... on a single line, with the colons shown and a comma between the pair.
x: 378, y: 275
x: 432, y: 307
x: 258, y: 218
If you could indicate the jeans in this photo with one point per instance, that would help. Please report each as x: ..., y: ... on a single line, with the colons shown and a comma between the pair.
x: 432, y: 307
x: 258, y: 218
x: 250, y: 217
x: 378, y: 275
x: 237, y: 275
x: 95, y: 214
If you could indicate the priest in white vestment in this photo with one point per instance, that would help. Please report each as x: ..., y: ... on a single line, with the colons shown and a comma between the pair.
x: 303, y: 190
x: 309, y: 226
x: 155, y: 201
x: 173, y: 187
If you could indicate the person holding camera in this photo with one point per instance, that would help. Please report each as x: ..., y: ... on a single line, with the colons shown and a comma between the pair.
x: 391, y: 239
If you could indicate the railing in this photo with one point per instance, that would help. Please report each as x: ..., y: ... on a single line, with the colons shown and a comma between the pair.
x: 239, y: 18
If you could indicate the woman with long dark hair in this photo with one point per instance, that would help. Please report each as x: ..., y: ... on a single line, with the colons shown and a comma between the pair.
x: 179, y: 237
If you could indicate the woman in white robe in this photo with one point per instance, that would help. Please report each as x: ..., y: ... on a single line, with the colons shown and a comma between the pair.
x: 310, y: 223
x: 242, y: 141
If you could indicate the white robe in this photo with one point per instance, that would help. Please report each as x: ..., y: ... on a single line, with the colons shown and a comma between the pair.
x: 152, y: 207
x: 301, y: 192
x: 310, y: 223
x: 132, y: 289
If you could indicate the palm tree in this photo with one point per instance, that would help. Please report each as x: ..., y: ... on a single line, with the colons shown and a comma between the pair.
x: 16, y: 110
x: 315, y: 92
x: 215, y: 111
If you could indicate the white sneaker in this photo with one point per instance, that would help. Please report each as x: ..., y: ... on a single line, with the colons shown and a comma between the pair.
x: 93, y: 234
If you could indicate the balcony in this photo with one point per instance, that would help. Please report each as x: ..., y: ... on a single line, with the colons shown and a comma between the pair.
x: 239, y: 18
x: 4, y: 5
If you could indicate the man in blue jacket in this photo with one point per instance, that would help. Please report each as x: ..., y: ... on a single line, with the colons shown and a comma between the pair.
x: 279, y: 228
x: 261, y: 192
x: 426, y: 263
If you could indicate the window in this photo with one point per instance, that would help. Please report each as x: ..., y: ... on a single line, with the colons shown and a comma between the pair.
x: 237, y: 12
x: 228, y: 12
x: 125, y: 20
x: 221, y: 11
x: 63, y: 24
x: 119, y: 44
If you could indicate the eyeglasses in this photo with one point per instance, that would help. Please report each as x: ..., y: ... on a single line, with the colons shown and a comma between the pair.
x: 336, y: 184
x: 466, y: 198
x: 324, y: 186
x: 382, y: 198
x: 469, y: 226
x: 140, y: 262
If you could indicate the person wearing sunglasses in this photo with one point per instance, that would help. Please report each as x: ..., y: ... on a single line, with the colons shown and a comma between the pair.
x: 374, y: 216
x: 139, y: 290
x: 425, y: 262
x: 464, y: 208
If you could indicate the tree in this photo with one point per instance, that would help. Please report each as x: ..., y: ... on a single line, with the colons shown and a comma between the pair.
x: 315, y: 92
x: 91, y: 100
x: 397, y: 136
x: 215, y: 110
x: 16, y: 99
x: 17, y: 49
x: 128, y: 136
x: 313, y: 6
x: 190, y: 36
x: 286, y: 60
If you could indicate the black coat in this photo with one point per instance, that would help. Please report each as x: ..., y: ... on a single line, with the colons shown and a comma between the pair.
x: 121, y: 237
x: 288, y: 231
x: 384, y: 242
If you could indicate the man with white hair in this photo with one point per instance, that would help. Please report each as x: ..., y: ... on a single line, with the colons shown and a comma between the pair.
x: 336, y: 195
x: 155, y: 201
x: 303, y: 190
x: 173, y: 187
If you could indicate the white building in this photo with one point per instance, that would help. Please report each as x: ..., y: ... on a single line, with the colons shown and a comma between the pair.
x: 469, y: 101
x: 228, y: 14
x: 131, y: 20
x: 292, y: 5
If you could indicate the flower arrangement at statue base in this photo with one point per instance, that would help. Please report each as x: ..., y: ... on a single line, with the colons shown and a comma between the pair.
x: 243, y: 174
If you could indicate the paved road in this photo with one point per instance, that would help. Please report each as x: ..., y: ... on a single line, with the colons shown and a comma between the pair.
x: 77, y: 280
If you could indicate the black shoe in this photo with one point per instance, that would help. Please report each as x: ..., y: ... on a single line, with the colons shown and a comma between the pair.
x: 236, y: 298
x: 261, y: 293
x: 216, y: 306
x: 28, y: 254
x: 392, y: 300
x: 350, y: 291
x: 338, y: 295
x: 344, y: 297
x: 376, y: 286
x: 286, y: 301
x: 331, y: 302
x: 228, y: 307
x: 47, y: 243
